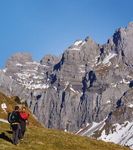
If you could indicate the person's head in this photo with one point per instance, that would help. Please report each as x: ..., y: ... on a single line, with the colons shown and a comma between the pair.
x: 16, y: 108
x: 23, y: 109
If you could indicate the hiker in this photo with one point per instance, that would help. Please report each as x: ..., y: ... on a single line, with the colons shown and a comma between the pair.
x: 14, y: 120
x: 23, y: 120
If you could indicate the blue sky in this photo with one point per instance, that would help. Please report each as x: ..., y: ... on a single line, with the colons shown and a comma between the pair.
x: 49, y: 26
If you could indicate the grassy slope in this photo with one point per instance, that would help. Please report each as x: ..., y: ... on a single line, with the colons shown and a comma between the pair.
x: 39, y: 138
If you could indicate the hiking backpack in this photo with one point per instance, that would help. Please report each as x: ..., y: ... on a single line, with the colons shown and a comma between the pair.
x: 24, y: 116
x: 12, y: 117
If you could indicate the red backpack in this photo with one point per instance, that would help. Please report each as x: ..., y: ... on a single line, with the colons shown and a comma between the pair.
x: 24, y: 115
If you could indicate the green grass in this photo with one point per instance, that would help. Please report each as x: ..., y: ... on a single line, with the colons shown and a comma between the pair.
x: 39, y: 138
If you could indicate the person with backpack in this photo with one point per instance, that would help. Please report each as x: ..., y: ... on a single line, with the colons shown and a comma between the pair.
x: 23, y: 120
x: 14, y: 120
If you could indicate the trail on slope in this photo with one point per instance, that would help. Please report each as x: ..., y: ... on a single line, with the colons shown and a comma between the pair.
x: 3, y: 120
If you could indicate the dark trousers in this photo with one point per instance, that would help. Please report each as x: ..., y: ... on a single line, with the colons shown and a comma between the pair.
x: 16, y: 130
x: 22, y: 129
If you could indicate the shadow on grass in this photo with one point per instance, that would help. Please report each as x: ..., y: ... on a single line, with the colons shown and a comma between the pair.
x: 5, y: 137
x: 8, y: 131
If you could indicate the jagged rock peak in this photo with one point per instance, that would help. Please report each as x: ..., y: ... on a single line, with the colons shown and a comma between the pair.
x: 50, y: 59
x: 19, y: 58
x: 78, y: 42
x: 130, y: 24
x: 123, y: 41
x: 89, y: 39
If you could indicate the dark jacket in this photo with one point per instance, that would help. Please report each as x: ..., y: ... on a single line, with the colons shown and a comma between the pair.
x: 17, y: 117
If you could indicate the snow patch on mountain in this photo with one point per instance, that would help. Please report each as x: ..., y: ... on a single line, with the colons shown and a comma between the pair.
x: 75, y: 49
x: 130, y: 105
x: 37, y: 86
x: 18, y: 64
x: 30, y: 74
x: 123, y: 134
x: 108, y: 57
x: 4, y: 70
x: 120, y: 134
x: 108, y: 102
x: 78, y: 42
x: 91, y: 128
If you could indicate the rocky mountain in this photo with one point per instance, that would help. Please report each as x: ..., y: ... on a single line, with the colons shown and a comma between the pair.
x: 89, y: 83
x: 117, y: 127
